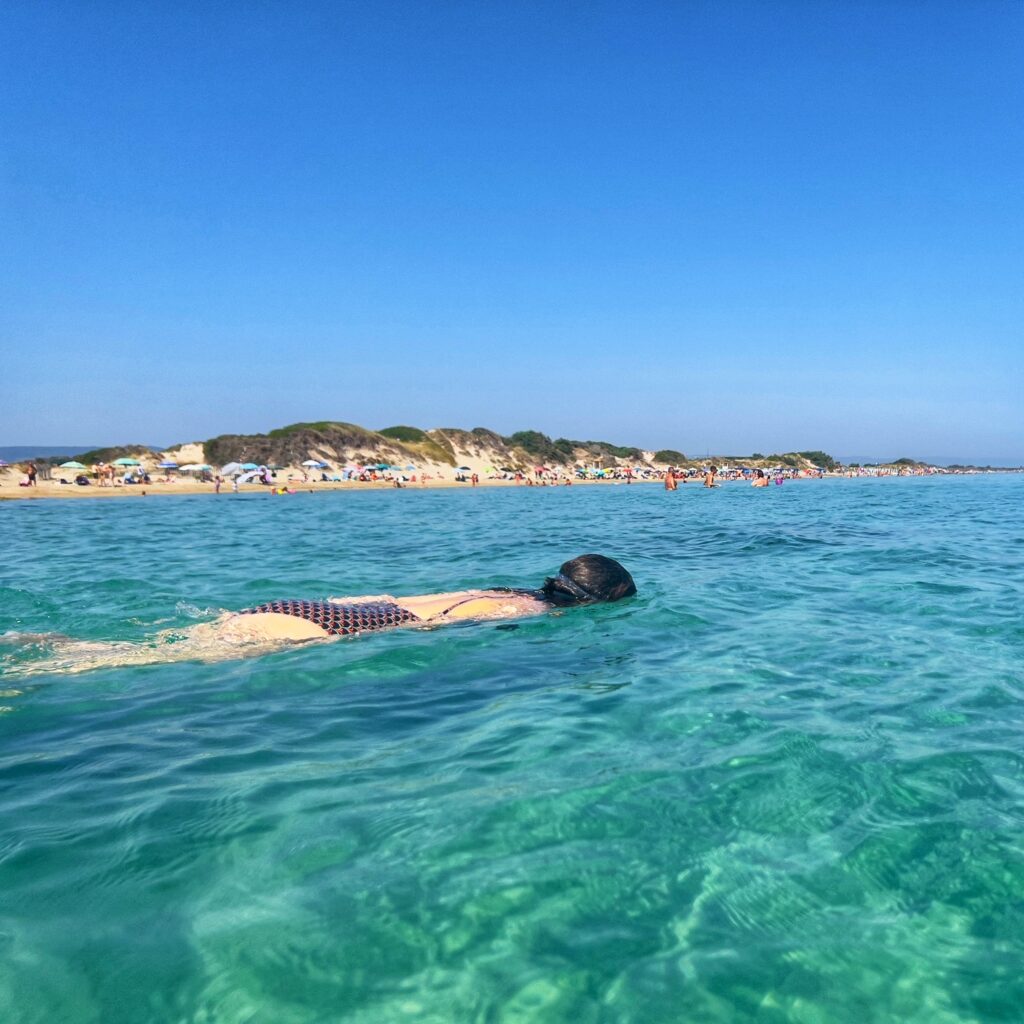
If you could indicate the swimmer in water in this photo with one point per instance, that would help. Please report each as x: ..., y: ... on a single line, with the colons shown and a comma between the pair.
x: 760, y: 480
x: 588, y: 579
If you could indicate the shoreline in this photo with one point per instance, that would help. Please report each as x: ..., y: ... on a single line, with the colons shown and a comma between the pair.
x: 49, y: 491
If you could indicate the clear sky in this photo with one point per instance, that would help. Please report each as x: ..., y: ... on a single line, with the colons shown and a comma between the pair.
x: 725, y: 226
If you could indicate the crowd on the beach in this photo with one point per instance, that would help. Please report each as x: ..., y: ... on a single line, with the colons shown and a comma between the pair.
x: 129, y: 472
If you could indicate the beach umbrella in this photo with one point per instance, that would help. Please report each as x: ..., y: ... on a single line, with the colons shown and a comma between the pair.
x: 314, y: 462
x: 249, y: 465
x: 127, y: 462
x: 71, y: 465
x: 464, y: 469
x: 167, y: 465
x: 230, y: 469
x: 409, y: 467
x: 3, y: 462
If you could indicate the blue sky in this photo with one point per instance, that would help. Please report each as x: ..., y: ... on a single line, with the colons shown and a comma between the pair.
x: 724, y: 226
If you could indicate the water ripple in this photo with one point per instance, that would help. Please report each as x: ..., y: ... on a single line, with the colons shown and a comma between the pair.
x: 785, y: 783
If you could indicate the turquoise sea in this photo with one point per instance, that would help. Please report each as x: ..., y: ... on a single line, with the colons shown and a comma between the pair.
x: 784, y: 783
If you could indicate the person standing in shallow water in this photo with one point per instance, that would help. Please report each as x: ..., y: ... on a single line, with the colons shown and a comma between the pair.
x: 709, y: 479
x: 670, y: 480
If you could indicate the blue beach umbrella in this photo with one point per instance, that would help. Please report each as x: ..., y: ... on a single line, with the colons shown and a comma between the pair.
x: 167, y: 465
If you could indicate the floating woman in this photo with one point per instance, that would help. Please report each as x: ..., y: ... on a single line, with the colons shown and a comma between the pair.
x: 588, y: 579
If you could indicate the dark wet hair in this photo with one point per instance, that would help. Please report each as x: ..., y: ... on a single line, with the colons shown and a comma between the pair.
x: 587, y: 579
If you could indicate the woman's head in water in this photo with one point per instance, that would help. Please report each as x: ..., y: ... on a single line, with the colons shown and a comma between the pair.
x: 587, y: 579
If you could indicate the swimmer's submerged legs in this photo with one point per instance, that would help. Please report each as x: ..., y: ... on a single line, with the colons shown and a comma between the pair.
x: 224, y: 639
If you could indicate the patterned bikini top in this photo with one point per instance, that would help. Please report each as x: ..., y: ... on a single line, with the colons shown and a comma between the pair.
x: 340, y: 619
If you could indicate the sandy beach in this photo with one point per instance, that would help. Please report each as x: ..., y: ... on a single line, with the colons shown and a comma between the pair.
x: 48, y: 489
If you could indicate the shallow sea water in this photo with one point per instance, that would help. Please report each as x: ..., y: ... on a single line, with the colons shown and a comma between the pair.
x: 784, y: 783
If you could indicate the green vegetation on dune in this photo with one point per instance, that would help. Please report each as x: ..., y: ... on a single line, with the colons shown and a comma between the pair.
x: 539, y: 447
x: 487, y: 436
x: 123, y: 451
x: 669, y: 455
x: 430, y: 450
x: 337, y: 440
x: 420, y: 444
x: 322, y: 427
x: 564, y: 450
x: 413, y: 434
x: 616, y: 451
x: 820, y: 459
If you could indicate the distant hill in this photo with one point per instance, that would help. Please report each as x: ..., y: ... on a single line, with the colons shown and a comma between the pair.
x: 339, y: 443
x: 92, y: 453
x: 20, y: 452
x: 932, y: 460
